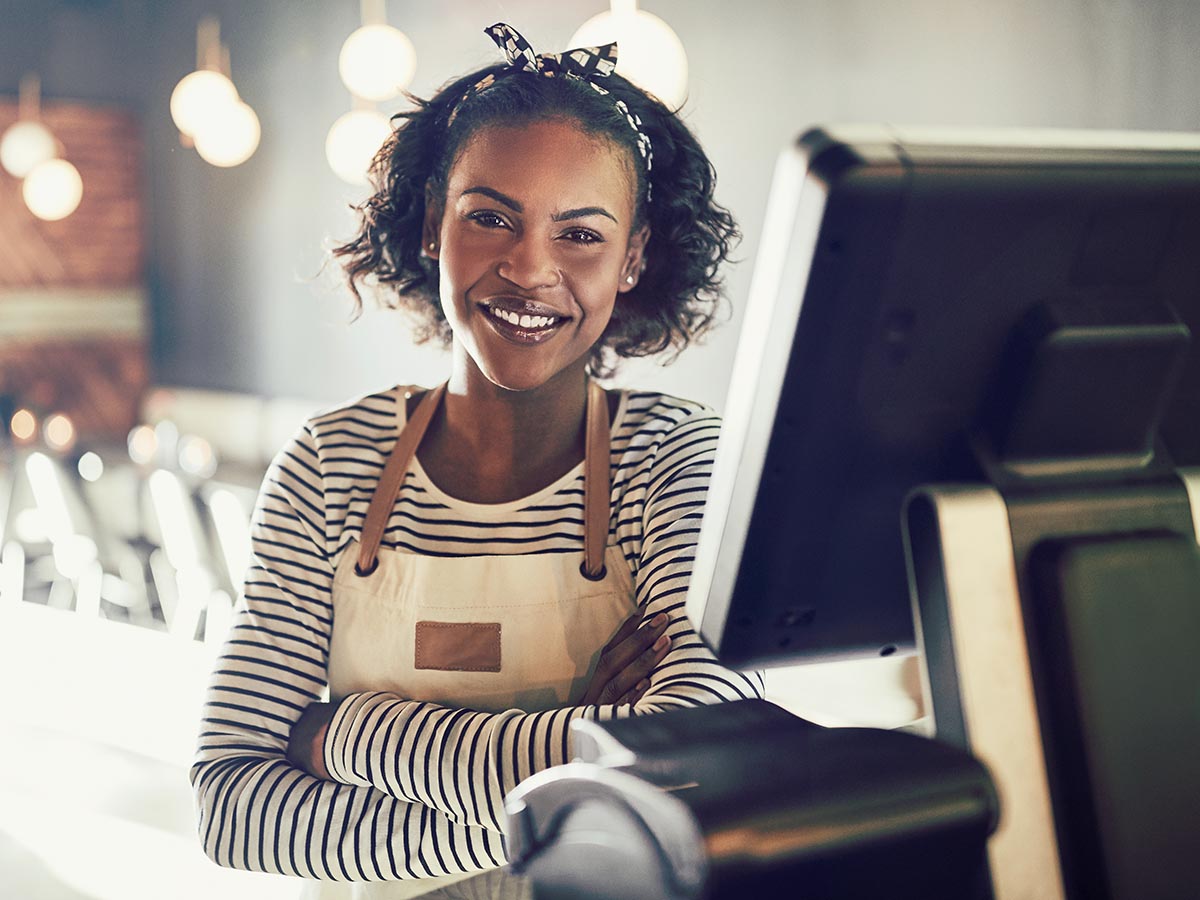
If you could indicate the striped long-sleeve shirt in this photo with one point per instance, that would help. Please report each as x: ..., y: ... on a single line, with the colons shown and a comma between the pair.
x: 384, y: 816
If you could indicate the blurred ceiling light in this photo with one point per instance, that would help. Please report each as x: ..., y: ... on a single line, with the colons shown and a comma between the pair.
x: 59, y: 432
x: 649, y: 53
x: 53, y: 189
x: 24, y: 146
x: 23, y: 425
x: 196, y: 456
x: 91, y: 466
x: 377, y: 61
x: 353, y: 141
x: 27, y: 142
x: 230, y: 137
x: 206, y: 107
x: 199, y: 97
x: 143, y: 444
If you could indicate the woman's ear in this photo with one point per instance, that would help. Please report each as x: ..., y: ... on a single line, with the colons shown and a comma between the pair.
x: 635, y: 260
x: 432, y: 227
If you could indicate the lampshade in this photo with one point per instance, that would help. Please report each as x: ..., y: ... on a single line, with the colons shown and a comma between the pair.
x: 649, y: 53
x: 25, y: 145
x: 353, y: 141
x: 52, y: 190
x: 229, y: 137
x: 199, y: 97
x: 377, y: 62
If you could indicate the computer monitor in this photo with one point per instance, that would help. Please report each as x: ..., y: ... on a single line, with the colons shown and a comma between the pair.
x: 898, y: 270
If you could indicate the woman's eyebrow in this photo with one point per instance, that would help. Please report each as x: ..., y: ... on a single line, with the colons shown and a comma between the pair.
x: 582, y: 212
x: 516, y: 206
x: 495, y: 195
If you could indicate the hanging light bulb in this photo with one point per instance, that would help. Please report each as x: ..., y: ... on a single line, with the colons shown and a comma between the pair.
x: 353, y: 141
x: 230, y: 137
x: 24, y: 145
x: 649, y: 53
x: 27, y: 142
x: 53, y: 189
x: 199, y: 97
x: 208, y: 92
x: 207, y: 109
x: 377, y: 61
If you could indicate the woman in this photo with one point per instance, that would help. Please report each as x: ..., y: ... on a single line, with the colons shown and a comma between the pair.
x: 471, y: 568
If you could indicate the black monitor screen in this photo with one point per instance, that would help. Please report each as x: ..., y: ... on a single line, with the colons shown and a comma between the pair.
x: 895, y: 268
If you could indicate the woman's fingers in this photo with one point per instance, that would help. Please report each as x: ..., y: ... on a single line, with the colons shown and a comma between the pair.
x: 628, y: 650
x: 637, y: 669
x: 628, y: 658
x: 628, y: 627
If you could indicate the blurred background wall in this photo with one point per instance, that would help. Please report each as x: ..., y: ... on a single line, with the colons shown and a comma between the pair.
x: 233, y: 257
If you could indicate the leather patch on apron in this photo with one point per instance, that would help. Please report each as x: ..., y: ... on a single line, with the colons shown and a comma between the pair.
x: 458, y: 646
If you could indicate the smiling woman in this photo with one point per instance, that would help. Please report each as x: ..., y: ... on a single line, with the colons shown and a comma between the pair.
x: 469, y: 569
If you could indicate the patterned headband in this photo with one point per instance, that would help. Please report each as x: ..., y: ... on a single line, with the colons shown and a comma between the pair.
x: 584, y: 64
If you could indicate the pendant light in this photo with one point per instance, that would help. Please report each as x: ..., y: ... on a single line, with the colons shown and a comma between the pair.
x: 52, y: 187
x: 53, y: 190
x: 206, y: 107
x: 377, y: 62
x: 649, y: 52
x: 27, y: 142
x: 354, y: 140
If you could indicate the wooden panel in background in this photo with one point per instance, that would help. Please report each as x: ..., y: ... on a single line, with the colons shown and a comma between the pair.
x: 101, y: 243
x: 97, y: 383
x: 72, y: 335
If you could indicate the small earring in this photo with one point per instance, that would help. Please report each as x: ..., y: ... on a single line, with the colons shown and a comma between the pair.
x: 432, y: 245
x: 629, y: 279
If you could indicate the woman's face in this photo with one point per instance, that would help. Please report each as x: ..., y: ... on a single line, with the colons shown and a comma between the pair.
x: 534, y: 244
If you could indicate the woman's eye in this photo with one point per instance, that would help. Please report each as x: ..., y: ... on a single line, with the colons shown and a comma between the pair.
x: 488, y: 219
x: 583, y: 236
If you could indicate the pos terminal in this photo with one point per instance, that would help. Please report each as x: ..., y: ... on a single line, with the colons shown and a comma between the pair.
x: 964, y: 422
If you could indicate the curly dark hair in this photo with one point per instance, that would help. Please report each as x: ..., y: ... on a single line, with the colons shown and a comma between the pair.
x: 679, y: 293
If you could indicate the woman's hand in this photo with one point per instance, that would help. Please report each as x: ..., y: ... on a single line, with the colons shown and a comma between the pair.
x: 623, y: 673
x: 306, y: 746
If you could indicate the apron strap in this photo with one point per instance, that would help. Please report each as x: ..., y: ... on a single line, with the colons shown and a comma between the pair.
x: 384, y: 498
x: 597, y: 464
x: 596, y: 482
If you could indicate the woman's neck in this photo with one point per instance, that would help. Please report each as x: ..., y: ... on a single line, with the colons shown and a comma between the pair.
x: 491, y: 445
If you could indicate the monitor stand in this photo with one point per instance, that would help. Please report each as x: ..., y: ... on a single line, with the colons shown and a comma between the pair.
x: 1058, y: 627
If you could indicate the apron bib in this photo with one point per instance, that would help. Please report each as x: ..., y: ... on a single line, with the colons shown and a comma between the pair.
x: 482, y: 632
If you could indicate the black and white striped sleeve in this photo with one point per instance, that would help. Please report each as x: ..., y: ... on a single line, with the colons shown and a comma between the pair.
x: 675, y: 488
x: 463, y: 762
x: 257, y: 811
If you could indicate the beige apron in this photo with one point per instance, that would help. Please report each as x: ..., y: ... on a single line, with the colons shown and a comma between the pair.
x: 483, y: 632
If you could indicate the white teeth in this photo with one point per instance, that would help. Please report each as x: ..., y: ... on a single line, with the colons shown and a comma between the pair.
x: 522, y: 321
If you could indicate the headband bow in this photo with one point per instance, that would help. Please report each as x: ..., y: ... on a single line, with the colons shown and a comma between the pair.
x: 586, y: 64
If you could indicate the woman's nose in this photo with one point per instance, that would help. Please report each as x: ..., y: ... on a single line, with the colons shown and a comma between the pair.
x: 529, y: 263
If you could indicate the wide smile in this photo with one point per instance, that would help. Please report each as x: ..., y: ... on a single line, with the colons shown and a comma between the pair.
x: 523, y: 326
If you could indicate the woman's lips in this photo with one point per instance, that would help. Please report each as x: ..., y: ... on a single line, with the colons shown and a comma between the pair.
x: 522, y: 327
